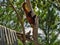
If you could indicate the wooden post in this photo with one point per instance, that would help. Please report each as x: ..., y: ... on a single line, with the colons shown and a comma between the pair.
x: 7, y: 36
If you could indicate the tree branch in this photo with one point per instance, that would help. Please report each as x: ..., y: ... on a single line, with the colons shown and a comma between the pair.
x: 20, y: 35
x: 20, y: 20
x: 35, y: 27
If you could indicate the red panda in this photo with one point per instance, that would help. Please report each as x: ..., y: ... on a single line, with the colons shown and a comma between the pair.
x: 28, y: 12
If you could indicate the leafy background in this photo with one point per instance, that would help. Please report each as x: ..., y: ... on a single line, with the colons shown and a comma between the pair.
x: 48, y: 12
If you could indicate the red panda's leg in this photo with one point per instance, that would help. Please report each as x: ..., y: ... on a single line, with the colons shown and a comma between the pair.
x: 29, y: 14
x: 34, y: 18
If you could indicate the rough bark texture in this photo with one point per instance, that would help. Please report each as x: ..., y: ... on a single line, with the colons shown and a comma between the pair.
x: 35, y: 32
x: 35, y: 27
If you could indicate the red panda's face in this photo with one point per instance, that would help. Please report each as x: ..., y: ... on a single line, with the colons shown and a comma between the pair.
x: 25, y: 7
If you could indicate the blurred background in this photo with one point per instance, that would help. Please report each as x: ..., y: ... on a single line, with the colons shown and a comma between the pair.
x: 48, y: 12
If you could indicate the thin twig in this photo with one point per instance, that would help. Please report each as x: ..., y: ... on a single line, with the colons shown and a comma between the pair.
x: 20, y: 20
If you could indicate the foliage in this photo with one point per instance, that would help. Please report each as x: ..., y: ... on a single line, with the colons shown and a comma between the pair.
x: 49, y: 18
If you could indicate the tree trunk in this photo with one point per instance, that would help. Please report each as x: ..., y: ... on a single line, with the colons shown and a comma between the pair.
x: 35, y: 27
x: 35, y: 32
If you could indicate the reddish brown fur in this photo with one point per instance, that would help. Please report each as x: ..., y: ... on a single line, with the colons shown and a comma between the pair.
x: 29, y: 17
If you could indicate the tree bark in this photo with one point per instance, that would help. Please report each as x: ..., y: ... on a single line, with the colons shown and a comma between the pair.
x: 35, y: 32
x: 35, y: 27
